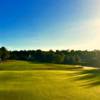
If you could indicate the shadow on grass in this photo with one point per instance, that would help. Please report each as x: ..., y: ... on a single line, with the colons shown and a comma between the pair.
x: 92, y: 77
x: 16, y: 95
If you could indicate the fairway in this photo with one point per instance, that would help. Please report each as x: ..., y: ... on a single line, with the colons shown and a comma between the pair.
x: 21, y: 80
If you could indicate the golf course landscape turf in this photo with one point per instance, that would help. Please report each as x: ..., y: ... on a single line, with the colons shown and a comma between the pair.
x: 20, y: 80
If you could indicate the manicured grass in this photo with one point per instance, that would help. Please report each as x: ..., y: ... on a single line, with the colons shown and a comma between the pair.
x: 24, y: 65
x: 21, y: 80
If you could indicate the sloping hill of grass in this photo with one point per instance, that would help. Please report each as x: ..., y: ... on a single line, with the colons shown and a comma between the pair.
x: 25, y: 65
x: 67, y: 84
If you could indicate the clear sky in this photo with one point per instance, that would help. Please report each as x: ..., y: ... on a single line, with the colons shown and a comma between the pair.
x: 50, y: 24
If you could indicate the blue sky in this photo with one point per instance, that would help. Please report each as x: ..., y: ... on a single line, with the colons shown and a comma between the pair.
x: 50, y: 24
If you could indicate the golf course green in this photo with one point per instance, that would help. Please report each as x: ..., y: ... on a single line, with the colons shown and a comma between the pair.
x: 20, y: 80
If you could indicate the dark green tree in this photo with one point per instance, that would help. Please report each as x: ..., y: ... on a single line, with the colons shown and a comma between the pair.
x: 4, y: 54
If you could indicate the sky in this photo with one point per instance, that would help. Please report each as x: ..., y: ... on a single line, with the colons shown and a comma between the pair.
x: 50, y: 24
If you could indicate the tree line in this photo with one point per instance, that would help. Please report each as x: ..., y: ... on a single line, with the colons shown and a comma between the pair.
x: 87, y: 58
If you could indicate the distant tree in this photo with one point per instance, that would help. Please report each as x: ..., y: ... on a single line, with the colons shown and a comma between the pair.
x: 59, y: 58
x: 89, y: 58
x: 77, y: 60
x: 4, y: 54
x: 50, y: 56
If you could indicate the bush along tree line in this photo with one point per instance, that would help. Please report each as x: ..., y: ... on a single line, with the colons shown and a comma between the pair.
x: 88, y: 58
